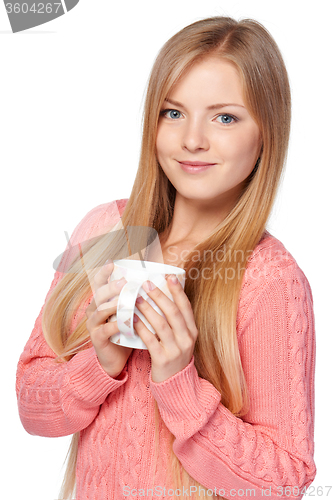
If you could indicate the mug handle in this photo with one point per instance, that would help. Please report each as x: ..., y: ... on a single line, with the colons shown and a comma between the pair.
x: 126, y: 309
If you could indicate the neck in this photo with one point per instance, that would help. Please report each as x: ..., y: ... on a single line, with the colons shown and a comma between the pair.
x: 193, y: 221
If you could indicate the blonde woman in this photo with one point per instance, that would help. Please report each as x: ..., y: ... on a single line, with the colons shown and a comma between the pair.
x: 221, y: 402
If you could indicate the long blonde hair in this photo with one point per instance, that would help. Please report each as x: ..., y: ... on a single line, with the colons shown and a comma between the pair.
x: 249, y: 46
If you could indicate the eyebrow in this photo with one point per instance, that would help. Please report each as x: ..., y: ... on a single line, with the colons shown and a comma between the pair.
x: 213, y: 106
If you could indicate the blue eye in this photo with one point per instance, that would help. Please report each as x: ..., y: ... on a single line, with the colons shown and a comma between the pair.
x: 172, y: 111
x: 227, y: 119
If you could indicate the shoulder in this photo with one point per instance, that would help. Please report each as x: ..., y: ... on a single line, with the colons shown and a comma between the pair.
x: 96, y: 222
x: 270, y: 261
x: 273, y: 273
x: 99, y: 220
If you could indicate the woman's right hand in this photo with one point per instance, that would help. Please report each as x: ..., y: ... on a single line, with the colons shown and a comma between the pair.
x: 112, y: 357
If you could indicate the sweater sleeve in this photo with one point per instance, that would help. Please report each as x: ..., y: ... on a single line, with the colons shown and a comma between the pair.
x: 270, y: 450
x: 58, y: 399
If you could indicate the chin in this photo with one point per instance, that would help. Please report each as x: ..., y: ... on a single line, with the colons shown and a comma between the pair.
x: 192, y: 195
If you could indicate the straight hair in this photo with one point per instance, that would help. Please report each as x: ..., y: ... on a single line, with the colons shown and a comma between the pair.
x: 252, y: 50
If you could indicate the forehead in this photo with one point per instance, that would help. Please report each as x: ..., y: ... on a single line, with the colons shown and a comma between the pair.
x: 212, y: 79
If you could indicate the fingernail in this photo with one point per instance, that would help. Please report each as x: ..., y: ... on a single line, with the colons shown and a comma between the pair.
x: 121, y: 282
x: 148, y: 286
x: 173, y: 278
x: 139, y: 299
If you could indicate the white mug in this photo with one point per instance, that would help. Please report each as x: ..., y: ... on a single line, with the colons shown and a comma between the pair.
x: 136, y: 272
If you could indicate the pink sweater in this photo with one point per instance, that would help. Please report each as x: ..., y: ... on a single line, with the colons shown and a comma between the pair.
x: 267, y: 451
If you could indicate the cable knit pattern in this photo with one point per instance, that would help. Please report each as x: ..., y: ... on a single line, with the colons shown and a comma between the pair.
x: 271, y: 447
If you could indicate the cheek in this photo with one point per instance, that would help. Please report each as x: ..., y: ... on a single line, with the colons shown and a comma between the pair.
x: 245, y: 146
x: 161, y: 144
x: 252, y: 142
x: 166, y: 140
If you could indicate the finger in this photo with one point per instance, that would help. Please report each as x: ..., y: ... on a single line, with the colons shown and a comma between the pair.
x: 102, y: 277
x: 157, y: 321
x: 108, y: 291
x: 100, y: 315
x: 178, y: 312
x: 151, y: 340
x: 100, y: 337
x: 182, y: 302
x: 106, y: 306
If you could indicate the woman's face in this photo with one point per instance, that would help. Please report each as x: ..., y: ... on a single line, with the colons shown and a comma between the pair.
x: 205, y: 120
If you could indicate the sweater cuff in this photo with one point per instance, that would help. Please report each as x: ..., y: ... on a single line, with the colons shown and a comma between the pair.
x: 185, y: 401
x: 88, y: 381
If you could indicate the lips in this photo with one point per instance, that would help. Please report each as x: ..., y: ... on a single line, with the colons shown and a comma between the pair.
x: 195, y: 167
x: 196, y: 163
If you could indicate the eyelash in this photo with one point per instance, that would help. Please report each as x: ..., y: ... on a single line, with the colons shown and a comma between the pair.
x: 235, y: 119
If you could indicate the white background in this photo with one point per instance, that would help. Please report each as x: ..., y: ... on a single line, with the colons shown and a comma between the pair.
x: 71, y: 103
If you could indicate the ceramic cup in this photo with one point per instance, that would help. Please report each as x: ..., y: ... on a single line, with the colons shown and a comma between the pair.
x: 136, y: 272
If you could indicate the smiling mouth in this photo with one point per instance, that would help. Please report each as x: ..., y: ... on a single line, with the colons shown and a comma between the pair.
x: 196, y: 163
x: 193, y: 168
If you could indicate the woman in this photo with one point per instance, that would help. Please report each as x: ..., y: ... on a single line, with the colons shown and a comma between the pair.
x: 221, y: 403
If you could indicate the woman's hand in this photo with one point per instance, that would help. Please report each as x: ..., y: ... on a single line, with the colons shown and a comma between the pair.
x: 112, y: 357
x: 172, y: 348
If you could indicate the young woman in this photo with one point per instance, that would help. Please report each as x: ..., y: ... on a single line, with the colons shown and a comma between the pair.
x: 221, y: 402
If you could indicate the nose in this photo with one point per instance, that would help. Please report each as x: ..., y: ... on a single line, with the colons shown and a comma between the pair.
x: 195, y: 137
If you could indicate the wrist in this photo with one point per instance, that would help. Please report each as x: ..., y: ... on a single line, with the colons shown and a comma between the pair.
x: 113, y: 371
x: 113, y: 365
x: 159, y: 375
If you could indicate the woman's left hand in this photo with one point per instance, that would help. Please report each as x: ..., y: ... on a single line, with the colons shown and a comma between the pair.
x: 172, y: 348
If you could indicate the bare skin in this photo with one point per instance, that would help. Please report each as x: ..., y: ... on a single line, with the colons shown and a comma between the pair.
x: 112, y: 357
x: 172, y: 348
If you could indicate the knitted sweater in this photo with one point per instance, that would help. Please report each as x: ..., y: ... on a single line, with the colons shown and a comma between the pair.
x: 268, y: 451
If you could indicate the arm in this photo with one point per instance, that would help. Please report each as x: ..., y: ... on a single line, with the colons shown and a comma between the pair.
x: 57, y: 399
x: 272, y: 445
